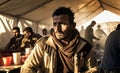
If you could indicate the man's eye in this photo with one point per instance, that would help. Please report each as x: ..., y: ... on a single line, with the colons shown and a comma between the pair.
x: 54, y: 24
x: 64, y: 24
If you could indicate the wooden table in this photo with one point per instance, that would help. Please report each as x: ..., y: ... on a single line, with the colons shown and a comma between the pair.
x: 7, y: 69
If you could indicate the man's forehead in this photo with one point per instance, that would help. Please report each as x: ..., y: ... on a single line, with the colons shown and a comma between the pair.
x: 60, y: 17
x: 14, y: 30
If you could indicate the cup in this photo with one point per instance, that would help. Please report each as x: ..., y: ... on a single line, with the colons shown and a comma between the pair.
x: 27, y: 51
x: 7, y: 60
x: 16, y: 57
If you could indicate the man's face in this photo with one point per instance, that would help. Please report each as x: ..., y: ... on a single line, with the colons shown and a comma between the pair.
x: 26, y: 34
x: 15, y: 32
x: 61, y: 27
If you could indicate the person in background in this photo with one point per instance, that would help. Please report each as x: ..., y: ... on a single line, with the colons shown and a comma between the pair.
x: 101, y: 35
x: 29, y: 38
x: 82, y: 32
x: 111, y: 59
x: 44, y: 32
x: 63, y: 52
x: 89, y: 33
x: 15, y: 41
x: 99, y: 32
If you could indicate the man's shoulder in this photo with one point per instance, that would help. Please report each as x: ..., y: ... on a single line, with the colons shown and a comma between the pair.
x: 42, y: 40
x: 82, y: 40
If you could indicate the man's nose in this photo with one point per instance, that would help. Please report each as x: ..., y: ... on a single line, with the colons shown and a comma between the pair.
x: 58, y: 27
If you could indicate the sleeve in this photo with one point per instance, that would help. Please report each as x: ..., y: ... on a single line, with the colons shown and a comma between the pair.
x: 92, y: 34
x: 34, y: 60
x: 9, y: 44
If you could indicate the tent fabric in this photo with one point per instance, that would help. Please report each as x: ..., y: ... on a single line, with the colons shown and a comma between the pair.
x: 40, y: 10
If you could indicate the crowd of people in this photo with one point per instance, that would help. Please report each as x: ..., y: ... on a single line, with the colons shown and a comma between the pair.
x: 67, y: 50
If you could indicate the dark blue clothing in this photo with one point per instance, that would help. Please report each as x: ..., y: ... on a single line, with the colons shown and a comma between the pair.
x: 14, y: 43
x: 111, y: 59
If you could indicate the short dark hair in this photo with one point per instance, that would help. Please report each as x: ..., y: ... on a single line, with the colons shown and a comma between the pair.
x: 94, y: 22
x: 28, y: 29
x: 98, y: 25
x: 118, y: 27
x: 64, y: 10
x: 16, y: 28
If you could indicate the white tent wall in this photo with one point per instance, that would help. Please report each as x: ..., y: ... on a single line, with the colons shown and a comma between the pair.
x: 37, y: 28
x: 42, y: 26
x: 6, y: 25
x: 26, y: 23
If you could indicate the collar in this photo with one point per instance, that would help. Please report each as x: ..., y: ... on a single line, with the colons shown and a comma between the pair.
x: 50, y: 42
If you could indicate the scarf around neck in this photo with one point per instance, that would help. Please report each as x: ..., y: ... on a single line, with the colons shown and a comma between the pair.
x: 66, y: 53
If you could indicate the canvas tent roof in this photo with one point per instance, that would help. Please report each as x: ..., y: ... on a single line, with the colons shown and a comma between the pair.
x: 40, y: 10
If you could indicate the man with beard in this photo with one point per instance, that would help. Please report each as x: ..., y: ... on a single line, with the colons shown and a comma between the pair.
x: 63, y: 52
x: 29, y: 39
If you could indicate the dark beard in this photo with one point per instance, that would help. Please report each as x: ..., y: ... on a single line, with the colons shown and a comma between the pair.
x: 69, y: 34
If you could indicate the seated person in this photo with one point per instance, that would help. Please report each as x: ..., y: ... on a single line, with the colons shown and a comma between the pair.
x: 29, y: 38
x: 15, y: 41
